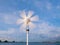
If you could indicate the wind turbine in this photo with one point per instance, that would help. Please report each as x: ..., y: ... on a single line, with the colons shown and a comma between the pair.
x: 27, y: 20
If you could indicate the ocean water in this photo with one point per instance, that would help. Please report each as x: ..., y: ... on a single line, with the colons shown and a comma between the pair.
x: 31, y: 43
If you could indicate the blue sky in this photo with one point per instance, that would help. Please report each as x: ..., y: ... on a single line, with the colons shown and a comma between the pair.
x: 48, y: 28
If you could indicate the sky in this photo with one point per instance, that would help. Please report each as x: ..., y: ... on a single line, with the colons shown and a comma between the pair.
x: 46, y: 29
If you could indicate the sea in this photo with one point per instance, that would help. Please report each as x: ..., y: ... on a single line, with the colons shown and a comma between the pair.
x: 31, y: 43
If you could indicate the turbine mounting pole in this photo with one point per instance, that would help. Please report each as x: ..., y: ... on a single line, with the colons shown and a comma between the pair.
x: 27, y: 31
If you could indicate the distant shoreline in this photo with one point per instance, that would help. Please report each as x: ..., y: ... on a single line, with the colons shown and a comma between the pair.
x: 6, y: 41
x: 30, y: 42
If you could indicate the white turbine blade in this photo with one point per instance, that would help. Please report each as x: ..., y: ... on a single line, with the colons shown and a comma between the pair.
x: 19, y: 21
x: 31, y: 25
x: 35, y: 18
x: 23, y: 27
x: 22, y: 14
x: 30, y: 13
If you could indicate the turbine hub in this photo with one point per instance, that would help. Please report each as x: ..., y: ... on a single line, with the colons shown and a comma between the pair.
x: 27, y: 21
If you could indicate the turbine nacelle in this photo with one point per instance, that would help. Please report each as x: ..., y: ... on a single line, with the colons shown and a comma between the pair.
x: 27, y: 21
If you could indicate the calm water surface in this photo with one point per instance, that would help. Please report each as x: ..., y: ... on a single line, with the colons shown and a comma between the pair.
x: 30, y: 43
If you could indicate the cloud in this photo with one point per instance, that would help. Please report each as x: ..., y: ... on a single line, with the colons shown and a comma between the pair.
x: 43, y: 5
x: 39, y: 4
x: 55, y: 16
x: 47, y: 29
x: 3, y: 38
x: 58, y: 7
x: 8, y: 5
x: 48, y: 5
x: 9, y: 34
x: 6, y: 32
x: 8, y: 18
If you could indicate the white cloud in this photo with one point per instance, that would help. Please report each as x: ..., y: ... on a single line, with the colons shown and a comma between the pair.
x: 58, y: 7
x: 47, y: 29
x: 43, y: 4
x: 6, y: 32
x: 48, y: 5
x: 8, y: 18
x: 7, y: 38
x: 39, y: 4
x: 55, y: 16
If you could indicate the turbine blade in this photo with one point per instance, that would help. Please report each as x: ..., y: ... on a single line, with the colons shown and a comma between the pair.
x: 23, y: 14
x: 35, y: 18
x: 31, y: 25
x: 19, y: 21
x: 23, y: 27
x: 30, y: 13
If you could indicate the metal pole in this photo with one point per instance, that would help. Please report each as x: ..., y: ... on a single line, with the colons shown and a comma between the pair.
x: 27, y: 31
